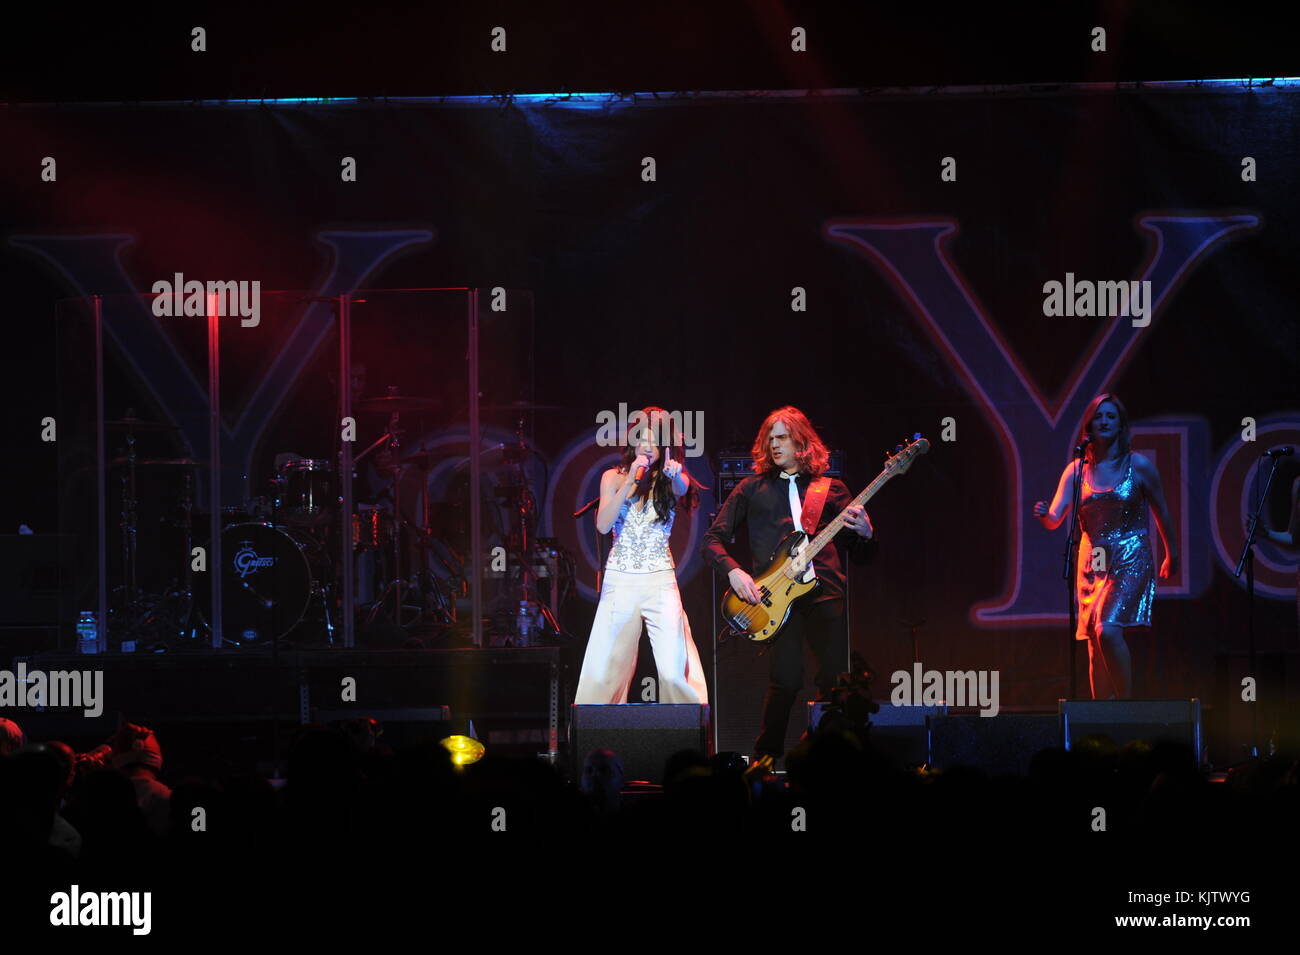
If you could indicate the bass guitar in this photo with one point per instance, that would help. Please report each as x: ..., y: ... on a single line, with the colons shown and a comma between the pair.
x: 782, y: 583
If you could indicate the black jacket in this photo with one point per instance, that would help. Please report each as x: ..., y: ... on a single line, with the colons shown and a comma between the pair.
x: 761, y: 503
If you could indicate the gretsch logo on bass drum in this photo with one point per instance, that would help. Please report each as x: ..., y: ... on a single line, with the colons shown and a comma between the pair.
x: 246, y: 559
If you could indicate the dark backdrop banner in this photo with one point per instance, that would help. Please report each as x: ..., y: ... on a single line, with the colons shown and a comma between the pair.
x: 724, y: 256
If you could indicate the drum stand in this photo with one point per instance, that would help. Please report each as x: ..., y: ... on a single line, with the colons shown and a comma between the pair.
x: 395, y: 583
x: 321, y: 590
x: 325, y: 609
x: 184, y: 592
x: 133, y: 612
x: 433, y: 601
x: 129, y: 518
x: 150, y: 619
x: 523, y: 508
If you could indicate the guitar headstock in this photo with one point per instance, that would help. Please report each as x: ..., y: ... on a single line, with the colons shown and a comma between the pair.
x: 901, y: 459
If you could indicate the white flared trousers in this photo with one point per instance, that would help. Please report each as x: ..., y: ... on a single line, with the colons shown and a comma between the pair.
x: 610, y: 662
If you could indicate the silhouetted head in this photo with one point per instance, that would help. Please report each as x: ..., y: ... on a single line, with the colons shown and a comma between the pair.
x: 11, y: 736
x: 602, y: 775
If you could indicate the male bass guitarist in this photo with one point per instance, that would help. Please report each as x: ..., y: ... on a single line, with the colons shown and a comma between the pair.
x: 788, y: 492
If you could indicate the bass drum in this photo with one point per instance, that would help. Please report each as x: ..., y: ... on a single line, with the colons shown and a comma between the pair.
x: 266, y: 585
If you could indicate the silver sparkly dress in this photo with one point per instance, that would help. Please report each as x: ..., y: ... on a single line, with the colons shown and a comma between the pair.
x: 1122, y: 589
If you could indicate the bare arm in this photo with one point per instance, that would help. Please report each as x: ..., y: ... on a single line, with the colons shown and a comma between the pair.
x: 1294, y: 530
x: 615, y: 486
x: 1051, y: 516
x: 681, y: 483
x: 676, y: 472
x: 1155, y: 492
x: 1290, y: 536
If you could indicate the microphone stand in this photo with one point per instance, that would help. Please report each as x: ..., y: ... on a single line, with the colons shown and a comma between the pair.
x: 600, y: 542
x: 1247, y: 560
x: 1067, y: 572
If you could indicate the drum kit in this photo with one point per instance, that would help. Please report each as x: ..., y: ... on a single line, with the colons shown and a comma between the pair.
x: 280, y: 552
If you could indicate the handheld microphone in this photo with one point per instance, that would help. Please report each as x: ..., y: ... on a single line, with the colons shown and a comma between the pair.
x: 640, y: 473
x: 1283, y: 452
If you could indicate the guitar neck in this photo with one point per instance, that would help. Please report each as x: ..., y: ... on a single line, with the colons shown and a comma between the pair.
x: 834, y: 527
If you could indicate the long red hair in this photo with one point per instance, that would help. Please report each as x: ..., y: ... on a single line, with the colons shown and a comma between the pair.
x: 809, y: 450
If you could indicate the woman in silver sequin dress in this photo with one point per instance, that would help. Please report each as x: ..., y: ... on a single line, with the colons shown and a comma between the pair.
x: 1115, y: 573
x: 640, y: 582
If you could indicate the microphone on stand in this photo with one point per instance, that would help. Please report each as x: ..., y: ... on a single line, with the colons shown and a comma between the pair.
x: 1083, y: 445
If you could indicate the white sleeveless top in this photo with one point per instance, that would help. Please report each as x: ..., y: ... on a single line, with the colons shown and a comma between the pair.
x: 640, y: 540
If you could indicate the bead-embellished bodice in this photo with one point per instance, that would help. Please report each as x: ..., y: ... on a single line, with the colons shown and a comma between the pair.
x: 640, y: 539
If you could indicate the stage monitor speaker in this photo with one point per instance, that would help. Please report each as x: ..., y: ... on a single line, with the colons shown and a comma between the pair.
x: 644, y: 735
x: 36, y: 587
x: 1001, y: 745
x: 740, y: 681
x: 1232, y: 724
x: 900, y: 733
x: 1123, y: 721
x: 740, y: 678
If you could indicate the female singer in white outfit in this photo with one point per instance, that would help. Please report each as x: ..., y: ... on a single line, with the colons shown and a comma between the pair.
x: 640, y: 583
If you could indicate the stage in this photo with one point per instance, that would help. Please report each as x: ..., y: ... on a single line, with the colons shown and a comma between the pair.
x: 649, y: 434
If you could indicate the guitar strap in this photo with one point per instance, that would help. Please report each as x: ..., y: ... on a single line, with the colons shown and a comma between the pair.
x: 813, y: 502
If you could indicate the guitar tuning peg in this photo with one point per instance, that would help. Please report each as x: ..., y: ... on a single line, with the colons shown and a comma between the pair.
x: 898, y: 448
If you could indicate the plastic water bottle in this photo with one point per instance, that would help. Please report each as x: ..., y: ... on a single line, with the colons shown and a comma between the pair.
x: 87, y: 632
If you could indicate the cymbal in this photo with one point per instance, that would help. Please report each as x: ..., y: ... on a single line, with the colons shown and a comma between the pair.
x: 524, y: 406
x: 391, y: 403
x: 420, y: 457
x: 171, y: 463
x: 137, y: 424
x: 159, y: 463
x: 494, y: 457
